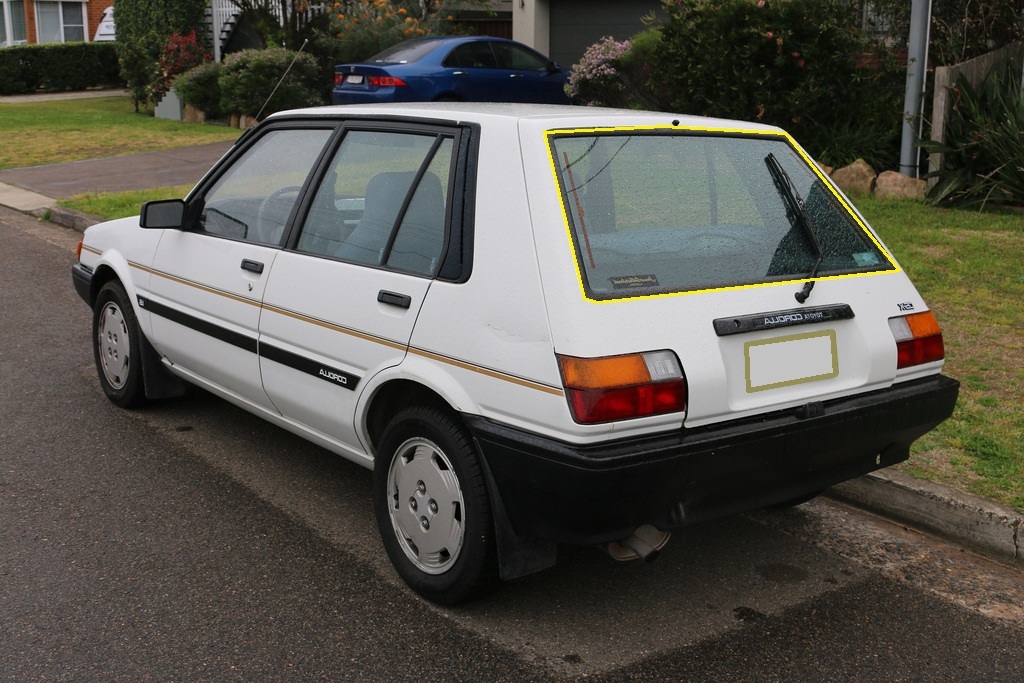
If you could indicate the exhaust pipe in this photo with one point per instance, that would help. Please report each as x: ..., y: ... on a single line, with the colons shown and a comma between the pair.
x: 644, y: 544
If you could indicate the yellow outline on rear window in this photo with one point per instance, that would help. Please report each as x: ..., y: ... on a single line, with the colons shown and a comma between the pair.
x: 778, y: 134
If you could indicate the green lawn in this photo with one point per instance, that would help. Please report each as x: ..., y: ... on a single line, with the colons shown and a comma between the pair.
x: 970, y: 269
x: 50, y: 132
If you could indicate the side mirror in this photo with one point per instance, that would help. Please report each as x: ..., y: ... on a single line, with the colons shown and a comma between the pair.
x: 163, y: 214
x: 553, y: 67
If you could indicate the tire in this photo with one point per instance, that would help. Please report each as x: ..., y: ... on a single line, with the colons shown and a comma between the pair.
x: 432, y: 507
x: 116, y: 343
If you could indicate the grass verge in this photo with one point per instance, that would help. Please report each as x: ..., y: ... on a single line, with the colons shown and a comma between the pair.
x: 70, y: 130
x: 111, y: 205
x: 968, y: 267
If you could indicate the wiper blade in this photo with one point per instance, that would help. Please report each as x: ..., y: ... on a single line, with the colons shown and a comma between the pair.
x: 797, y: 214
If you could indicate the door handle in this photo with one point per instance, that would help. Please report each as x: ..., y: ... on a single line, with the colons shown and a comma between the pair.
x: 394, y: 299
x: 252, y: 266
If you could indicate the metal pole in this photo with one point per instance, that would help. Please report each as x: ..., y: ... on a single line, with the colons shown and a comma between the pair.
x: 917, y: 64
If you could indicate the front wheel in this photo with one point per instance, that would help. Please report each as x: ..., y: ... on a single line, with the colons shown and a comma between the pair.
x: 432, y: 507
x: 117, y: 342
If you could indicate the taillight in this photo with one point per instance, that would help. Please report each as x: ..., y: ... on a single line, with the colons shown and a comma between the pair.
x: 918, y: 339
x: 385, y: 81
x: 623, y: 387
x: 78, y: 251
x: 339, y: 79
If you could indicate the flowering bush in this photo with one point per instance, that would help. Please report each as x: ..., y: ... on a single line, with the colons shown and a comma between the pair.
x: 181, y: 53
x: 363, y: 28
x: 596, y: 80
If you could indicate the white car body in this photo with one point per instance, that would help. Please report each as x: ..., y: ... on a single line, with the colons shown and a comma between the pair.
x: 331, y: 349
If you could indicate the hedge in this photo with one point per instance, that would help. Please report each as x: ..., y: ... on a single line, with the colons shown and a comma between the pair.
x: 54, y: 67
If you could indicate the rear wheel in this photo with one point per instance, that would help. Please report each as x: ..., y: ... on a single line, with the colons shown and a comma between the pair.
x: 432, y: 507
x: 116, y: 346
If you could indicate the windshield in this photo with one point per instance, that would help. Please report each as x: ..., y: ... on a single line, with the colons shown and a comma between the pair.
x: 653, y: 212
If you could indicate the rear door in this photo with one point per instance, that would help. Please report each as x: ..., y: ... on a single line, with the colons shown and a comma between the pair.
x: 340, y: 305
x: 530, y: 76
x: 475, y: 75
x: 208, y: 280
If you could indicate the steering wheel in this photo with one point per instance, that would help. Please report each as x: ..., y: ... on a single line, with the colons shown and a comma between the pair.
x: 266, y: 228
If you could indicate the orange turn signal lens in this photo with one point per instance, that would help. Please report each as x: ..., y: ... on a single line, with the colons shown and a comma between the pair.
x: 918, y: 339
x: 623, y: 387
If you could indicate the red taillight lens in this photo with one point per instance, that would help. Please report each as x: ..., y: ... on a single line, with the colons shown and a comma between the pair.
x: 918, y: 339
x: 385, y: 81
x: 339, y: 79
x: 623, y: 387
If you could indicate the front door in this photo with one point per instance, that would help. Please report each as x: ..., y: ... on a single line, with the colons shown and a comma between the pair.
x: 208, y: 279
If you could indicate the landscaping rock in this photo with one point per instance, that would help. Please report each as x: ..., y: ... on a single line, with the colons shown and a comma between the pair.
x: 857, y: 178
x: 893, y: 185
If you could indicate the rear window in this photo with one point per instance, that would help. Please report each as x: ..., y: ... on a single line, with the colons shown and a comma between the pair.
x: 657, y: 211
x: 409, y: 51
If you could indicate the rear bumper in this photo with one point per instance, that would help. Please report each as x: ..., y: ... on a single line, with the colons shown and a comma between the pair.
x: 560, y: 492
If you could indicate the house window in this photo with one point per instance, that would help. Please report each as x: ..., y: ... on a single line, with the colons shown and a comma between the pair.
x: 12, y: 22
x: 60, y: 22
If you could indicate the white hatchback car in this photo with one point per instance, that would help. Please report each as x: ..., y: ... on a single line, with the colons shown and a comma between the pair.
x: 536, y: 324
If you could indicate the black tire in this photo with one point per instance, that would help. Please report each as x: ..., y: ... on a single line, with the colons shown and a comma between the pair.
x: 117, y: 345
x: 432, y: 507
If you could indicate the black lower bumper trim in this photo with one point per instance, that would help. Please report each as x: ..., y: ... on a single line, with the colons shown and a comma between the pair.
x: 81, y: 277
x: 560, y: 492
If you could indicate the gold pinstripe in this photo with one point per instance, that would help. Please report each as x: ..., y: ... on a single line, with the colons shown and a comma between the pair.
x: 301, y: 317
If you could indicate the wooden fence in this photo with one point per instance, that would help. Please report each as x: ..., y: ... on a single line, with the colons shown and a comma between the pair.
x: 974, y: 70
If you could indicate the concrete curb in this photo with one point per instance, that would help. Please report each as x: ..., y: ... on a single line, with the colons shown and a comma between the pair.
x: 68, y: 218
x: 948, y: 513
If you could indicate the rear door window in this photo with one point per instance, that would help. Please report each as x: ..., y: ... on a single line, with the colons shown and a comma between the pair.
x: 654, y: 212
x: 383, y: 201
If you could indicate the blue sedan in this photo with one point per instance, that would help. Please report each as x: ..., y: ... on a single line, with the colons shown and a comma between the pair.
x: 467, y: 68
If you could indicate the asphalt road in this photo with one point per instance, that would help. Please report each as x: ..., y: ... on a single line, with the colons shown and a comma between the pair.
x: 190, y: 541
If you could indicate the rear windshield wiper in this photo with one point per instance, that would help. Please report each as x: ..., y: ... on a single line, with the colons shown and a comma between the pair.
x: 797, y: 213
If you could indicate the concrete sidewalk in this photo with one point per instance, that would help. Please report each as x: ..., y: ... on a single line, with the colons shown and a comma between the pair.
x: 964, y: 519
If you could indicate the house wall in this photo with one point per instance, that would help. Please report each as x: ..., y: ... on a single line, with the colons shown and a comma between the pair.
x: 93, y: 14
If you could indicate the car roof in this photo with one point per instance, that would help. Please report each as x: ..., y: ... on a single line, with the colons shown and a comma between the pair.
x: 548, y: 115
x: 430, y: 44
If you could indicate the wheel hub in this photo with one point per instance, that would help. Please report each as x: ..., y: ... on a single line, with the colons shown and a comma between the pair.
x: 427, y: 507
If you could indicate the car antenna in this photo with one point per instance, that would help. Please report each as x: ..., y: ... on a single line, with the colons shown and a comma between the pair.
x: 281, y: 80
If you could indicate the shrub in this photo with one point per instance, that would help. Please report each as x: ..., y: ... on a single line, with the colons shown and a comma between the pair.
x: 983, y: 158
x: 143, y: 28
x: 596, y: 79
x: 57, y: 66
x: 250, y: 77
x: 792, y: 63
x: 181, y: 53
x: 200, y: 88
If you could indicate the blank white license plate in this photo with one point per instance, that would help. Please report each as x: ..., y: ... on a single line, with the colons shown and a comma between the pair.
x: 354, y: 79
x: 793, y: 359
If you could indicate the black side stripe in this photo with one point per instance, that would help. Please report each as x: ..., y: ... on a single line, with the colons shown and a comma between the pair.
x: 217, y: 332
x: 287, y: 358
x: 309, y: 366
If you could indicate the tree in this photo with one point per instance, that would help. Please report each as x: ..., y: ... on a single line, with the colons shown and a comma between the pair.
x: 282, y: 23
x: 143, y: 30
